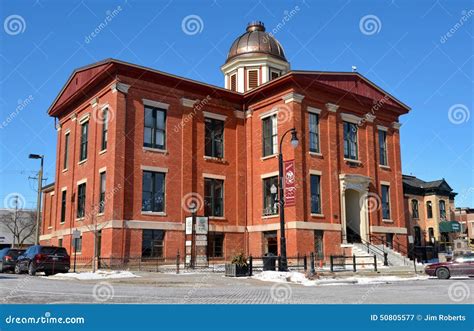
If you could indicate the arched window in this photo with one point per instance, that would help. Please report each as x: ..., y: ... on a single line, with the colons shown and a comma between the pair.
x: 429, y: 209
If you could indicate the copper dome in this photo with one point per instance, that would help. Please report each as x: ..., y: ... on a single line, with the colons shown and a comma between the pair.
x: 256, y: 41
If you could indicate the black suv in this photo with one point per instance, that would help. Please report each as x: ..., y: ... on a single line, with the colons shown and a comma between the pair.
x: 48, y: 259
x: 8, y: 258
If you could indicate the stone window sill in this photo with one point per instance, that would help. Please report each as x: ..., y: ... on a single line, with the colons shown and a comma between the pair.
x: 269, y: 157
x: 154, y: 213
x: 155, y: 150
x: 317, y: 215
x: 352, y: 161
x: 387, y: 221
x: 318, y: 154
x: 82, y: 162
x: 102, y: 151
x: 386, y: 167
x: 270, y: 216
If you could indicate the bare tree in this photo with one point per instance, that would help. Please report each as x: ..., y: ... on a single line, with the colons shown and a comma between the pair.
x: 21, y: 224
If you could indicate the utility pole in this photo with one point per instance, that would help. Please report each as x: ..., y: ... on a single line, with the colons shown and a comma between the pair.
x: 38, y: 202
x: 15, y: 223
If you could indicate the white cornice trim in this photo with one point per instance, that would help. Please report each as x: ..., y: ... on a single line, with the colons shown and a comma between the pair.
x: 314, y: 110
x: 351, y: 118
x: 315, y: 172
x: 79, y: 182
x: 332, y: 107
x: 269, y: 174
x: 213, y: 176
x: 293, y: 97
x: 152, y: 168
x: 156, y: 104
x: 84, y: 118
x: 239, y: 114
x: 382, y: 128
x: 215, y: 116
x: 94, y: 102
x: 396, y: 125
x: 188, y: 102
x: 120, y: 87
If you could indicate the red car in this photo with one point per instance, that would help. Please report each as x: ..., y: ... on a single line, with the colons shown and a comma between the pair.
x: 462, y: 265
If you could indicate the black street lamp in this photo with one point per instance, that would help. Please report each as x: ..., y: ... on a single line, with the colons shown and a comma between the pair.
x: 38, y: 202
x: 283, y: 266
x: 193, y: 208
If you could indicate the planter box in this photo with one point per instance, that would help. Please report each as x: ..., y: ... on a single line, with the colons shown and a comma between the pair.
x: 233, y: 270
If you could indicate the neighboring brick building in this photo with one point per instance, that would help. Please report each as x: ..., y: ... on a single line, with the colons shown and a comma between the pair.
x: 465, y: 216
x: 429, y: 207
x: 136, y: 146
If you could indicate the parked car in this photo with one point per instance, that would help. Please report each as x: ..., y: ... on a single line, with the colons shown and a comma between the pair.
x: 462, y: 265
x: 48, y: 259
x: 8, y: 257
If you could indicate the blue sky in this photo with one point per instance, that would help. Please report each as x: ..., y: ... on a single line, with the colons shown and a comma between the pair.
x: 404, y: 47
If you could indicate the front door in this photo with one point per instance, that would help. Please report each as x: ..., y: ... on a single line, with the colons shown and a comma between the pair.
x: 353, y: 211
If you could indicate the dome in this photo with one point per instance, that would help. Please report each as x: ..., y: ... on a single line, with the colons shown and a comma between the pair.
x: 256, y: 41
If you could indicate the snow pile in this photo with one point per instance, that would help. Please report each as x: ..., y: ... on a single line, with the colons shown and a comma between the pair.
x: 100, y: 274
x: 300, y: 278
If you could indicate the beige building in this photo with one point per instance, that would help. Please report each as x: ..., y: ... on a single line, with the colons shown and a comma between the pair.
x: 429, y: 210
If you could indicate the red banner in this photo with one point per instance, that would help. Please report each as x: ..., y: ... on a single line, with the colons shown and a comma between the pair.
x: 290, y: 183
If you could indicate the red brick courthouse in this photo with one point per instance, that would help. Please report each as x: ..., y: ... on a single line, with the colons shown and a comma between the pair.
x: 135, y: 146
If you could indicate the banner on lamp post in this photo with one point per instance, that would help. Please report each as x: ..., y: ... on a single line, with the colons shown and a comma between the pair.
x: 289, y: 183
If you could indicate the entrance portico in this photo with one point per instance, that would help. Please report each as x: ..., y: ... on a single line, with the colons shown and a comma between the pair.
x: 354, y: 207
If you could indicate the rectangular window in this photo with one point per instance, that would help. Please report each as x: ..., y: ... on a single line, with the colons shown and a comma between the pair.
x: 270, y: 135
x: 153, y: 243
x: 315, y: 194
x: 350, y: 141
x: 252, y: 80
x: 429, y: 209
x: 386, y: 202
x: 81, y: 200
x: 233, y: 82
x: 270, y: 193
x: 414, y: 209
x: 84, y: 137
x: 105, y: 128
x: 63, y: 206
x: 274, y: 74
x: 215, y: 244
x: 383, y: 147
x: 60, y: 242
x: 442, y: 209
x: 78, y: 245
x: 214, y: 197
x: 214, y: 138
x: 313, y: 133
x: 153, y: 191
x: 102, y: 192
x: 155, y: 128
x: 66, y: 150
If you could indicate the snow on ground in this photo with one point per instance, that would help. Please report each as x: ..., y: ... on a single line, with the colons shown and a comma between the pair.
x: 100, y: 274
x: 300, y: 278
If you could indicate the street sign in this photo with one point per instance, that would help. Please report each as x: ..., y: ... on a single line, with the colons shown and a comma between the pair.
x: 76, y: 234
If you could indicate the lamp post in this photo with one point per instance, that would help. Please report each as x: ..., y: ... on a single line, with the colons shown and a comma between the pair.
x: 38, y: 201
x: 281, y: 199
x: 193, y: 209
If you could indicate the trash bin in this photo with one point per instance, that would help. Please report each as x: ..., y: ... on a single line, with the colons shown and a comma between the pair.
x: 269, y: 262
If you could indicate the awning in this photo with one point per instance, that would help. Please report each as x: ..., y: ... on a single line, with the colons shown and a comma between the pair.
x: 449, y: 226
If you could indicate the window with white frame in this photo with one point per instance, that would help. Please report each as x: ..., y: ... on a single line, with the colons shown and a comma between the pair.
x: 270, y: 135
x: 314, y: 133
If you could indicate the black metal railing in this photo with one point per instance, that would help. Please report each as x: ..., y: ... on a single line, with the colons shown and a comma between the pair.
x: 340, y: 262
